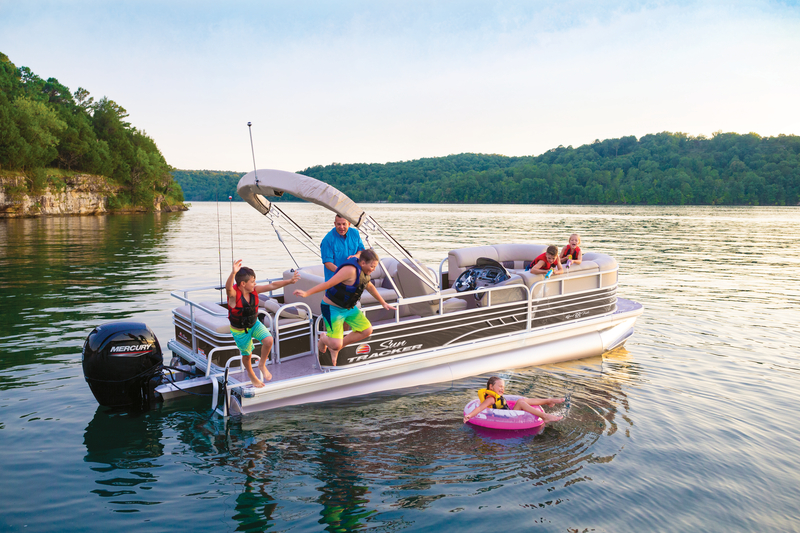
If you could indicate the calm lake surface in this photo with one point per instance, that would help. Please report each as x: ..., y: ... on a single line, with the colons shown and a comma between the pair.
x: 693, y: 426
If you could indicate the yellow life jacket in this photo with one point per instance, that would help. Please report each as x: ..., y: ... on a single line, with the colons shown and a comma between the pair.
x: 499, y: 401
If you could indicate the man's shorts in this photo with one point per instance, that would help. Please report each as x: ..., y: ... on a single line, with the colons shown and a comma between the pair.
x: 335, y: 317
x: 244, y: 341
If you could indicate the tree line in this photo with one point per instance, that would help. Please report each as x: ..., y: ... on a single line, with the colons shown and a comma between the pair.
x: 45, y: 126
x: 656, y: 169
x: 208, y: 185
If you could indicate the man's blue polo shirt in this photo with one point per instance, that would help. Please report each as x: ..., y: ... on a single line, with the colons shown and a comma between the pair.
x: 335, y: 248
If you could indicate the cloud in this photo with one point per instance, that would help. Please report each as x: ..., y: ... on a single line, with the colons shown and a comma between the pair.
x: 377, y: 82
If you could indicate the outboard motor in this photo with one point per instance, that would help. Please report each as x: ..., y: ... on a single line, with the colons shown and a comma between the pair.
x: 119, y: 359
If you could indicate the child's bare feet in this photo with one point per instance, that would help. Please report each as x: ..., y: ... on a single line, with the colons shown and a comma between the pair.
x: 321, y: 346
x: 334, y: 356
x: 552, y: 401
x: 257, y: 383
x: 265, y: 373
x: 549, y: 418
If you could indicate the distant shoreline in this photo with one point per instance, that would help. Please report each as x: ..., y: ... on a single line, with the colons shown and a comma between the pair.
x: 657, y: 169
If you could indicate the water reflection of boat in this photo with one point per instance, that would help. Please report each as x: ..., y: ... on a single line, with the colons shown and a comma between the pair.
x: 481, y: 312
x: 121, y: 445
x: 357, y: 464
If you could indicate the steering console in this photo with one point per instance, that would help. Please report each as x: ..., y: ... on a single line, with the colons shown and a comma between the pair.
x: 486, y: 272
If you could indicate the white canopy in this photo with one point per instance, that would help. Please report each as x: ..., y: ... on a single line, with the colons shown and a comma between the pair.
x: 255, y: 185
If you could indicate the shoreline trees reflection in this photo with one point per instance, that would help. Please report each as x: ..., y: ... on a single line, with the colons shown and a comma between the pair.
x: 58, y: 273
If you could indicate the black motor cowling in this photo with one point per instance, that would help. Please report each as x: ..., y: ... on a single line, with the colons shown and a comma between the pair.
x: 119, y: 359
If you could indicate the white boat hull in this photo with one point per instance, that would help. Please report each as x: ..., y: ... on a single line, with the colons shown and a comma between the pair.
x: 575, y: 340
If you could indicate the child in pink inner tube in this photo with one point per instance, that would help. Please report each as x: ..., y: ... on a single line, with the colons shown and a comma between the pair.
x: 496, y: 387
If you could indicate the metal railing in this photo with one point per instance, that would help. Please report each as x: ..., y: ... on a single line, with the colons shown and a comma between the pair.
x: 273, y: 325
x: 488, y: 291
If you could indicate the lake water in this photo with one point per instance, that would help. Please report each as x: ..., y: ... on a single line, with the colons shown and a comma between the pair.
x: 691, y: 427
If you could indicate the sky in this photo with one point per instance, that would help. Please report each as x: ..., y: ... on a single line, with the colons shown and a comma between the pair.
x: 372, y: 82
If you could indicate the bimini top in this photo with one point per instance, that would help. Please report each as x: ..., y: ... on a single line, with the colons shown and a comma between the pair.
x: 255, y: 186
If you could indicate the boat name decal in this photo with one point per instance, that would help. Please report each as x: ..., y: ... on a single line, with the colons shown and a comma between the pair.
x: 394, y: 348
x: 364, y: 348
x: 577, y: 314
x: 391, y: 344
x: 131, y: 348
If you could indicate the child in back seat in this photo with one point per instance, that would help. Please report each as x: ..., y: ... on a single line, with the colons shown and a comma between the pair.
x: 572, y: 251
x: 546, y: 261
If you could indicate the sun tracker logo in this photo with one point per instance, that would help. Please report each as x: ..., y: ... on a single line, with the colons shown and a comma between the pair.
x: 387, y: 347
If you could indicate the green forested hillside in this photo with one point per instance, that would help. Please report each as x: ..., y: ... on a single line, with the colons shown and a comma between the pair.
x: 45, y: 126
x: 658, y: 169
x: 207, y: 185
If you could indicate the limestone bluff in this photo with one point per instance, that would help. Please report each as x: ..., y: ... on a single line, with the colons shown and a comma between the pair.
x: 81, y: 194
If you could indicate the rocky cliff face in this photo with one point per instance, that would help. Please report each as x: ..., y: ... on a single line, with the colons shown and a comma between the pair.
x: 82, y: 195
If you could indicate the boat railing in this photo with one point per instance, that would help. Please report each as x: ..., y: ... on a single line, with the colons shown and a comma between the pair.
x: 276, y: 347
x: 490, y: 297
x: 272, y: 324
x: 192, y: 322
x: 492, y: 291
x: 222, y: 377
x: 440, y: 298
x: 489, y: 291
x: 562, y: 279
x: 569, y: 313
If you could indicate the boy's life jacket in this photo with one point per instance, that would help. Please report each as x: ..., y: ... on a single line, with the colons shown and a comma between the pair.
x: 547, y: 264
x: 499, y: 401
x: 244, y: 315
x: 573, y: 253
x: 347, y: 296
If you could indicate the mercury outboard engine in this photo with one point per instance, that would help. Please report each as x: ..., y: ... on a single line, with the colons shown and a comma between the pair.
x: 119, y: 359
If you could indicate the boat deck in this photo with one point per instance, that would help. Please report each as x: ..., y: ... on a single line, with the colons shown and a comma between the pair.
x: 300, y: 366
x: 625, y: 306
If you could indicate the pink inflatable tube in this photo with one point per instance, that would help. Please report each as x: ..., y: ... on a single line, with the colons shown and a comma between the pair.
x: 503, y: 418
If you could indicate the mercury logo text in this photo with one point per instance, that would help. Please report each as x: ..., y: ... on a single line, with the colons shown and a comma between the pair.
x: 132, y: 348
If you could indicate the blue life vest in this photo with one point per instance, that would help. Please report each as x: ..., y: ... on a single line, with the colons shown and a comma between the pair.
x: 347, y: 296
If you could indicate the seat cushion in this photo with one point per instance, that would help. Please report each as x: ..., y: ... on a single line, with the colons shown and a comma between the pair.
x: 273, y: 305
x: 217, y: 324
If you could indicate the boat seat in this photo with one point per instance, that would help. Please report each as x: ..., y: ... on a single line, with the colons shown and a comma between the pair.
x: 217, y: 324
x: 411, y: 285
x: 221, y: 324
x: 380, y: 279
x: 291, y: 313
x: 517, y: 257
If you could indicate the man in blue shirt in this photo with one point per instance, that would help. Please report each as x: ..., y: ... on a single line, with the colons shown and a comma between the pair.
x: 339, y: 244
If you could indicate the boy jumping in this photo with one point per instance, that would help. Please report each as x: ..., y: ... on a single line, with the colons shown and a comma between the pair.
x: 243, y: 316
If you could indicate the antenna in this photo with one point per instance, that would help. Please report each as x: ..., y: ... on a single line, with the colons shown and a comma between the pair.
x: 219, y: 245
x: 252, y: 150
x: 230, y: 203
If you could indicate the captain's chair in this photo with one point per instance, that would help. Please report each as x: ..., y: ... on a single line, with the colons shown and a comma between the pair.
x: 411, y: 285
